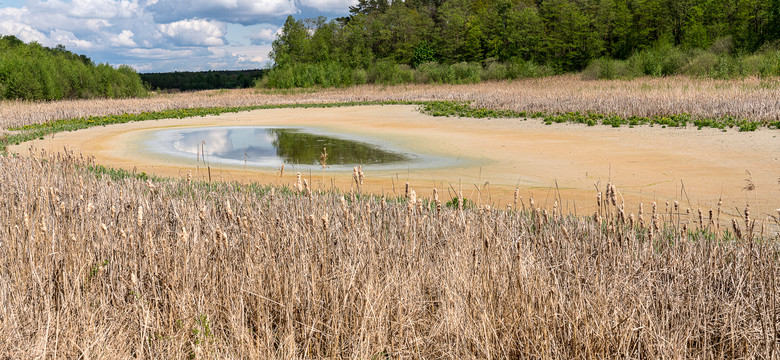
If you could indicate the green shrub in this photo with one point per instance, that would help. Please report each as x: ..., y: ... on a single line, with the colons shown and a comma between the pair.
x: 432, y: 72
x: 762, y: 64
x: 404, y: 74
x: 359, y: 76
x: 466, y: 72
x: 519, y: 69
x: 701, y: 65
x: 494, y: 71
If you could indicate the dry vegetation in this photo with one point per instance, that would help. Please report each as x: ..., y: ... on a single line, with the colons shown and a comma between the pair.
x: 751, y: 98
x: 96, y: 268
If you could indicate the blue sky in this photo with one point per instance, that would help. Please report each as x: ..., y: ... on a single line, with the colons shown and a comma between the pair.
x: 162, y: 35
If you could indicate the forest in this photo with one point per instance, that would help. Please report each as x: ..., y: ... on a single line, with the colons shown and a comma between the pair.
x: 385, y: 41
x: 35, y: 72
x: 202, y: 80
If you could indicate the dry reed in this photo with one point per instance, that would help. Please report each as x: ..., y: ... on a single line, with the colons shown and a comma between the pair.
x: 198, y: 270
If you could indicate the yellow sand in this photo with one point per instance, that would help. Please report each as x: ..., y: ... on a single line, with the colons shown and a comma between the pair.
x: 568, y: 161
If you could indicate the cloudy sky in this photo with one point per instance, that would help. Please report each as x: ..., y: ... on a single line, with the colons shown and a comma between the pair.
x: 162, y: 35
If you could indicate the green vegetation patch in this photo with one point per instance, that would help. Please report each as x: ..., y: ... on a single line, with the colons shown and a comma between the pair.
x: 675, y: 120
x: 35, y: 72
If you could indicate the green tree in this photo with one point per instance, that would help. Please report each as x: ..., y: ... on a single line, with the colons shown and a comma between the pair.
x: 291, y: 44
x: 694, y: 34
x: 453, y: 27
x: 523, y: 33
x: 571, y: 42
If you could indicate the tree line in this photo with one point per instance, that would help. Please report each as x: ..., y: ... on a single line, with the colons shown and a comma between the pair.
x: 553, y: 36
x: 35, y: 72
x: 202, y: 80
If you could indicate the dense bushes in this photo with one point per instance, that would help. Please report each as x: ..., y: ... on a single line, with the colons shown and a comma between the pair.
x: 387, y: 72
x: 33, y: 72
x: 716, y: 62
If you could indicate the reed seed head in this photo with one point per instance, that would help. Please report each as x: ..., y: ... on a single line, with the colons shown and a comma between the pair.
x: 613, y: 195
x: 306, y: 188
x: 228, y: 210
x: 737, y: 230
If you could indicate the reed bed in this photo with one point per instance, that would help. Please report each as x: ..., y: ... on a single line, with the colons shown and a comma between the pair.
x: 750, y: 98
x: 96, y: 267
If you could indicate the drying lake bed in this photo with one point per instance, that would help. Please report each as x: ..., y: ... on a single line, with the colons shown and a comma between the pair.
x: 486, y: 159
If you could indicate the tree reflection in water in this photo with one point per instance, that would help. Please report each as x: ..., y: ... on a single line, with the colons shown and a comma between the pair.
x: 297, y: 147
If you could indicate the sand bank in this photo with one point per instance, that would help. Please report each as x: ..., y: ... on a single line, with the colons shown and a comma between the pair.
x: 493, y: 156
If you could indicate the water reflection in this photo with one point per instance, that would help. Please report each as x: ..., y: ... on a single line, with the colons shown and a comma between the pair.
x: 272, y: 146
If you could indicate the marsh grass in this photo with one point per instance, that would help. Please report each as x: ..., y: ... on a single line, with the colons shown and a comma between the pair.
x: 100, y: 266
x: 753, y: 99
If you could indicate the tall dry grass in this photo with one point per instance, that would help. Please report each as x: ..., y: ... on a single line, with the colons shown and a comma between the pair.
x: 96, y: 268
x: 750, y: 98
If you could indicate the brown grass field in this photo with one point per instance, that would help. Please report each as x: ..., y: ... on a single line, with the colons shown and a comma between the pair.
x: 751, y: 98
x: 92, y: 267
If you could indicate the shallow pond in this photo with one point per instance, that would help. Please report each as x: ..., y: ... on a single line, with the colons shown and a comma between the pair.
x: 271, y: 147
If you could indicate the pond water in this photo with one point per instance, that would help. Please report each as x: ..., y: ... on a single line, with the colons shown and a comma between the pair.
x: 271, y: 147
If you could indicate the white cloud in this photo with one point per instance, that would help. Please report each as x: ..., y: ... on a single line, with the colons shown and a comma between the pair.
x: 11, y: 23
x: 161, y: 54
x: 68, y: 39
x: 97, y: 24
x: 123, y: 39
x: 22, y: 31
x: 233, y: 11
x: 329, y: 5
x: 105, y: 9
x: 264, y: 36
x: 195, y: 32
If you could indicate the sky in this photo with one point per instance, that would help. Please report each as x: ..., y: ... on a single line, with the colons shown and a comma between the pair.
x: 162, y: 35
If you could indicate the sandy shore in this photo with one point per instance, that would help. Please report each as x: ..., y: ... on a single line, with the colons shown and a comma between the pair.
x: 647, y: 164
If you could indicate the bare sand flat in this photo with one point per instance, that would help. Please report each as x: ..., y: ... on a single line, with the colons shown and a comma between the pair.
x: 647, y: 164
